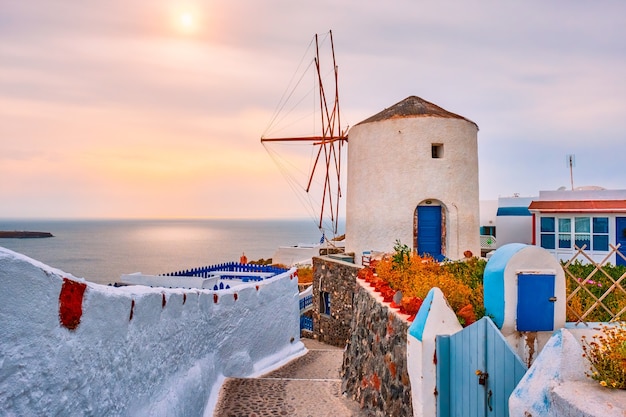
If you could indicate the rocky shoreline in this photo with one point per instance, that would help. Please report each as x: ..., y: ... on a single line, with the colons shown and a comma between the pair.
x: 23, y: 234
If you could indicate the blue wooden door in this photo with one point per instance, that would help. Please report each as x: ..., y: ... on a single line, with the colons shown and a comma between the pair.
x: 620, y: 238
x: 476, y: 372
x: 429, y: 231
x: 535, y: 302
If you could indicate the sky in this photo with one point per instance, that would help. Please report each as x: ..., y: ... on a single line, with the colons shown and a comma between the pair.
x: 150, y: 109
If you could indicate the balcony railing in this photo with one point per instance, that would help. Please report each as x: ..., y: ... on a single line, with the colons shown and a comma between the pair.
x: 487, y: 242
x: 251, y: 271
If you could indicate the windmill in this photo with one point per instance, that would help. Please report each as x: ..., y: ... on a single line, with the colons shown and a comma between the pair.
x: 328, y: 143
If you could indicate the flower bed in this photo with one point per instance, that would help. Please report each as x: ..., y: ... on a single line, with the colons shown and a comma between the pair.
x: 413, y: 276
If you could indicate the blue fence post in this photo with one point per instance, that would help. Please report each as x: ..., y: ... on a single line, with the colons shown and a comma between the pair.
x: 443, y: 375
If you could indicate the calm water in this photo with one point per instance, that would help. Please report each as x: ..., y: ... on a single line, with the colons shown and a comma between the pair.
x: 102, y: 250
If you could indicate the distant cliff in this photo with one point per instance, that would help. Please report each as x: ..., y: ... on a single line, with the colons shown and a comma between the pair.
x: 24, y: 234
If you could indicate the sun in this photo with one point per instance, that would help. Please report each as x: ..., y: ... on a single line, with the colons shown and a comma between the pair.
x: 186, y: 20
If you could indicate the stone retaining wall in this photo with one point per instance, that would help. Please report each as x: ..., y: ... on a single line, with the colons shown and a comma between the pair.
x: 338, y: 279
x: 374, y: 370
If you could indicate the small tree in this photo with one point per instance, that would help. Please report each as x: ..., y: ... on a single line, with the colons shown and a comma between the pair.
x: 402, y: 255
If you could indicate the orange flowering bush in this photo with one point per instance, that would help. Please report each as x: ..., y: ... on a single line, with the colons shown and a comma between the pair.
x: 422, y: 274
x: 414, y: 276
x: 305, y: 275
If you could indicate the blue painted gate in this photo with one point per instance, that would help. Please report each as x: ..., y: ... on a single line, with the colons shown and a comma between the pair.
x: 476, y: 372
x: 429, y: 231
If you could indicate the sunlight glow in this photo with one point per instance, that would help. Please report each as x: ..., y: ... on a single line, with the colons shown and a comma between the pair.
x: 186, y: 20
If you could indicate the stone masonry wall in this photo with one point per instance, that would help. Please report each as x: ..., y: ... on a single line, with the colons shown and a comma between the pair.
x: 338, y: 279
x: 374, y: 370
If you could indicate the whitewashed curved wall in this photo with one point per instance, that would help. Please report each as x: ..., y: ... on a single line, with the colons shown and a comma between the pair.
x: 391, y: 171
x: 556, y: 384
x: 435, y: 318
x: 168, y: 360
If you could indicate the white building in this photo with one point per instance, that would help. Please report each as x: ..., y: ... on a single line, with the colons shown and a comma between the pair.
x: 593, y: 218
x: 488, y: 210
x: 514, y: 222
x: 413, y: 177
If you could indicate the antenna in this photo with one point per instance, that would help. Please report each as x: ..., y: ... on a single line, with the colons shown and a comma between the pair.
x: 571, y: 163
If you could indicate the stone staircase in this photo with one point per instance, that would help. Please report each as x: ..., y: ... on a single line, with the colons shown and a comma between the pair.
x: 309, y: 386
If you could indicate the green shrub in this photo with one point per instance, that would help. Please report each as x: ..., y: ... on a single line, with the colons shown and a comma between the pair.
x: 577, y: 275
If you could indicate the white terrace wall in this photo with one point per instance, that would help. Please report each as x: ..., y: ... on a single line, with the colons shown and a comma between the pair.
x: 556, y: 384
x: 434, y: 318
x: 136, y: 350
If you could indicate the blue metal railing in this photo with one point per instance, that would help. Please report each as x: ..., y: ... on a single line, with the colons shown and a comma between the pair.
x: 306, y: 301
x: 306, y: 323
x: 205, y: 271
x: 221, y: 287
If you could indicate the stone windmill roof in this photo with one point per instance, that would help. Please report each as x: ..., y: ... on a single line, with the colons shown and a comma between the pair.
x: 413, y: 106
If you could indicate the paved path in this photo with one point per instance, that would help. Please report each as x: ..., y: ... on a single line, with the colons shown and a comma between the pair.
x: 309, y: 386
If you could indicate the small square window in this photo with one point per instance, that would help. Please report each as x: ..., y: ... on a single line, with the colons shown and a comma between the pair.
x: 437, y: 150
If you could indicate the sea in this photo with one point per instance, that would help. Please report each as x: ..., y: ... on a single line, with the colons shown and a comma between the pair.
x: 101, y: 251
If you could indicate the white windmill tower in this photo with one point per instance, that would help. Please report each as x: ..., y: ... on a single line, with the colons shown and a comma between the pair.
x: 413, y: 177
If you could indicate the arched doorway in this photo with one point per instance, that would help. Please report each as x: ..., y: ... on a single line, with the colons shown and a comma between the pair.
x: 429, y: 229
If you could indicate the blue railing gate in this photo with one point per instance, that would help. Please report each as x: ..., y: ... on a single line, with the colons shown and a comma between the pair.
x: 476, y: 372
x: 306, y: 323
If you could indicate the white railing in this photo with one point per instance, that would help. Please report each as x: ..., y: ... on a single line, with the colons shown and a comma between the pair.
x: 487, y: 242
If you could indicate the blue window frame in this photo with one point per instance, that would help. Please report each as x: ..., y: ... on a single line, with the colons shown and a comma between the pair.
x: 591, y: 232
x: 547, y: 232
x: 582, y: 232
x: 600, y: 233
x: 565, y: 233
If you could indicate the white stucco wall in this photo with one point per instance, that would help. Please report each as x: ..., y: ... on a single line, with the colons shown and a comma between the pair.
x: 295, y: 255
x: 514, y: 228
x: 556, y: 384
x: 437, y: 318
x: 233, y: 279
x: 168, y: 360
x: 488, y: 210
x: 582, y: 194
x: 391, y: 171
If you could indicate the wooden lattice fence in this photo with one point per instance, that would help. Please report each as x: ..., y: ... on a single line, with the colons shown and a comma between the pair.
x: 595, y: 290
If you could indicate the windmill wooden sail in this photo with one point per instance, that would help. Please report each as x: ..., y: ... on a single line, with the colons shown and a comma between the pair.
x: 329, y: 143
